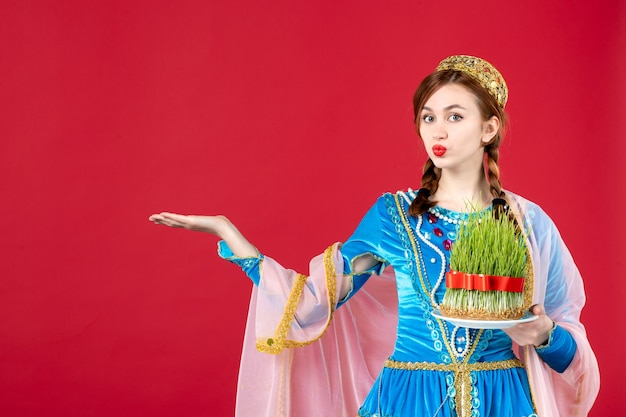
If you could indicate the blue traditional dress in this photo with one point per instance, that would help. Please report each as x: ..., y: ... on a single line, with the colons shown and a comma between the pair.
x: 436, y: 368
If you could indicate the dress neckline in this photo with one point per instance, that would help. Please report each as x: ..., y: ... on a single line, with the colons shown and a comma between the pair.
x: 454, y: 217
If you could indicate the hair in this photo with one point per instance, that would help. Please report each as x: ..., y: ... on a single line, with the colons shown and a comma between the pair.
x: 488, y: 107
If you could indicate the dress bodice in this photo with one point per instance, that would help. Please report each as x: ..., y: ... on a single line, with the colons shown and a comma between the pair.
x: 420, y: 255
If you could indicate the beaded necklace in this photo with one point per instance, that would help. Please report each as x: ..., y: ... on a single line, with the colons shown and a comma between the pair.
x: 447, y: 215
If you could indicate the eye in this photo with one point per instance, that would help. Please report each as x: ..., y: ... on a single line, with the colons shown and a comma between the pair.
x: 455, y: 117
x: 428, y: 118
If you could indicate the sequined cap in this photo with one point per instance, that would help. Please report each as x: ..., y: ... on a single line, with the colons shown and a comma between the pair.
x: 480, y: 70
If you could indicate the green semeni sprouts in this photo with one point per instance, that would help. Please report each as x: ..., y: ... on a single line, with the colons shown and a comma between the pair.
x: 490, y: 245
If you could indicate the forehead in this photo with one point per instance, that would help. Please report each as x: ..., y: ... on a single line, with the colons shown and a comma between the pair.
x: 451, y: 95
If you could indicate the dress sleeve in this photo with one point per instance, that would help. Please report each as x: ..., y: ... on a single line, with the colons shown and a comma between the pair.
x: 367, y: 239
x: 559, y: 350
x: 249, y: 265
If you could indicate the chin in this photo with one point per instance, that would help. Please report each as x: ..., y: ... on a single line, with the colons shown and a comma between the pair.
x: 438, y: 162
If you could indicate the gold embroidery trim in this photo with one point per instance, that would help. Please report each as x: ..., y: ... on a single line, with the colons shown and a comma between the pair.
x: 276, y: 344
x: 411, y: 234
x: 529, y: 284
x: 531, y: 381
x: 454, y: 367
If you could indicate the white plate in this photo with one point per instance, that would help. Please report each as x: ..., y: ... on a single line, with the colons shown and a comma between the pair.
x: 484, y: 324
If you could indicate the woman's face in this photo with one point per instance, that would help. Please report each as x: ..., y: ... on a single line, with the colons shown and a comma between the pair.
x: 453, y: 130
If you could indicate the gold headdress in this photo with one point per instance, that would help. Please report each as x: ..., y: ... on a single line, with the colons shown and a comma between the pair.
x: 480, y: 70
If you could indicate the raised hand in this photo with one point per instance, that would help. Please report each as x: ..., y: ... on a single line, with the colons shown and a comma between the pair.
x: 219, y: 226
x: 215, y: 225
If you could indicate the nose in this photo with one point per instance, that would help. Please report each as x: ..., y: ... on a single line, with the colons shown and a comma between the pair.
x: 434, y: 130
x: 439, y: 131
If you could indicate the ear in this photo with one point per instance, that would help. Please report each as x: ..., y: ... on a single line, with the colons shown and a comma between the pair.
x: 490, y: 128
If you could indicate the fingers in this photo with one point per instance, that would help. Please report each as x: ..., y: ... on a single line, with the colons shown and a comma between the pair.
x: 169, y: 219
x: 537, y: 309
x: 207, y: 224
x: 174, y: 216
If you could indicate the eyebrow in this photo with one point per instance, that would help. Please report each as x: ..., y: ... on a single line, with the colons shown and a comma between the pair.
x: 450, y: 107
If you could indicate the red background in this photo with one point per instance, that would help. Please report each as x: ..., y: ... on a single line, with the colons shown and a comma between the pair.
x: 289, y: 117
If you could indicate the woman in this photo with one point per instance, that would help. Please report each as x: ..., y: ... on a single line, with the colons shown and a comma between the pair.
x: 543, y: 367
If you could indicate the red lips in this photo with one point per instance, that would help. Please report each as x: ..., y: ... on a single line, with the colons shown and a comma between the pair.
x: 439, y: 150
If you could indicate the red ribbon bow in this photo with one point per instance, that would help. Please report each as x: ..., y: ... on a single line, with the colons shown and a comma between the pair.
x: 482, y: 282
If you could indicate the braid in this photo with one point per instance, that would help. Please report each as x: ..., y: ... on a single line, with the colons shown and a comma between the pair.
x: 499, y: 204
x: 493, y: 171
x: 430, y: 183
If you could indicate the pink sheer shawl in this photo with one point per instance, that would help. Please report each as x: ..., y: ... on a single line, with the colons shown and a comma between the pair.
x: 328, y: 376
x: 331, y: 375
x: 572, y: 393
